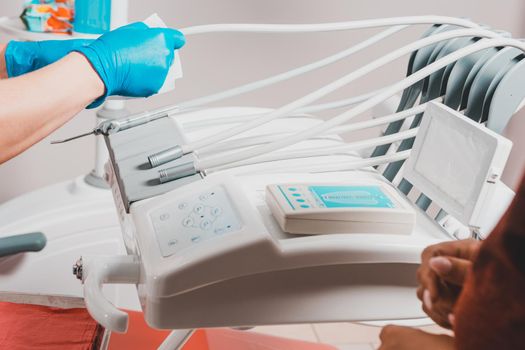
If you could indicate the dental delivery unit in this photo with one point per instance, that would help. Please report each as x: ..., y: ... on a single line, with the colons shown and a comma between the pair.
x: 241, y: 216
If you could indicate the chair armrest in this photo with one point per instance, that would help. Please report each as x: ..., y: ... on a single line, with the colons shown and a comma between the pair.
x: 28, y: 242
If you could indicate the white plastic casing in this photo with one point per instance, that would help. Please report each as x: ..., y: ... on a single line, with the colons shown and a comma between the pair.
x: 323, y: 208
x: 457, y: 163
x: 178, y: 255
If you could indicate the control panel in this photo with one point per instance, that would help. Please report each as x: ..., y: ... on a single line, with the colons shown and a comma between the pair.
x: 194, y: 219
x: 370, y: 207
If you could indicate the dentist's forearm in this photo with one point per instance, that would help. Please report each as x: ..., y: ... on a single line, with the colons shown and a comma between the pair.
x: 3, y: 67
x: 36, y: 104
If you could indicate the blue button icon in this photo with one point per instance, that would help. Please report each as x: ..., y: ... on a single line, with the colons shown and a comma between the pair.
x: 296, y: 195
x: 293, y: 189
x: 305, y: 206
x: 300, y: 200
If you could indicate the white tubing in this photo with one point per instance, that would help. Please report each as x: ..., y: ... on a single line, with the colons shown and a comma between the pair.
x: 320, y: 167
x: 345, y: 117
x: 325, y: 151
x: 337, y: 84
x: 339, y: 103
x: 292, y: 73
x: 396, y: 21
x: 325, y: 27
x: 360, y: 164
x: 382, y: 120
x: 267, y: 138
x: 255, y: 141
x: 237, y: 119
x: 304, y: 112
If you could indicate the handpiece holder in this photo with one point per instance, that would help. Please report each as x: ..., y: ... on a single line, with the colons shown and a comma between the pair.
x: 95, y: 271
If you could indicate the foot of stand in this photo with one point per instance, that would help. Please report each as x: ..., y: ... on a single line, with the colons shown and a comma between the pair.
x: 176, y: 340
x: 96, y: 181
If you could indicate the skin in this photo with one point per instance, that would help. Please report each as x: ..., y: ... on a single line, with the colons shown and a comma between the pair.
x: 406, y: 338
x: 441, y: 275
x: 443, y: 270
x: 51, y: 96
x: 3, y: 70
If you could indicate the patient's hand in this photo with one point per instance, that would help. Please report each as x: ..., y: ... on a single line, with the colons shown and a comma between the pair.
x: 443, y: 270
x: 405, y: 338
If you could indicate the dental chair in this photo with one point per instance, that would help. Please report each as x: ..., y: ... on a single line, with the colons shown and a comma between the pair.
x: 134, y: 259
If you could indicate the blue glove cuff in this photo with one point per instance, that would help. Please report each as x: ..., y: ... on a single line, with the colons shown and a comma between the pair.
x: 101, y: 69
x: 23, y: 57
x: 19, y: 58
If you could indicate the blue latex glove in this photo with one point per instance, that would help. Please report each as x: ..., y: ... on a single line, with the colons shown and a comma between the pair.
x: 22, y: 57
x: 133, y: 60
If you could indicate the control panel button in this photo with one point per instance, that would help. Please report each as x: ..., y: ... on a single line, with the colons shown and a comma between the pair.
x: 205, y: 224
x: 187, y: 221
x: 199, y: 209
x: 181, y: 224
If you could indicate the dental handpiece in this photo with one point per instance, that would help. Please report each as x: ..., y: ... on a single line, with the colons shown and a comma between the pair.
x: 113, y: 126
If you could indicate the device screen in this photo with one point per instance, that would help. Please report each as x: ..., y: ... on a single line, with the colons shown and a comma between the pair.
x: 350, y: 197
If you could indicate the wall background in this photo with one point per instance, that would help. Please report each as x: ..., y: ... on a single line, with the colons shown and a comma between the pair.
x: 215, y: 62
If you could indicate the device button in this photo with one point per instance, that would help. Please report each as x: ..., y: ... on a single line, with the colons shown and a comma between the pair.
x: 199, y: 209
x: 216, y: 211
x: 301, y: 200
x: 305, y: 206
x: 164, y: 216
x: 172, y: 242
x: 296, y: 194
x: 195, y: 239
x: 292, y: 189
x: 187, y: 221
x: 205, y: 224
x: 183, y: 205
x: 203, y: 197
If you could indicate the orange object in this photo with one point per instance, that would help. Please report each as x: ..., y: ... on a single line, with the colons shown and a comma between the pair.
x: 141, y: 337
x: 56, y: 17
x: 229, y: 339
x: 33, y: 327
x: 56, y: 24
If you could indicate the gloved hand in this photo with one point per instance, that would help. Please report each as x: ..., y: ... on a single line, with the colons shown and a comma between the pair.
x: 22, y: 57
x: 133, y: 60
